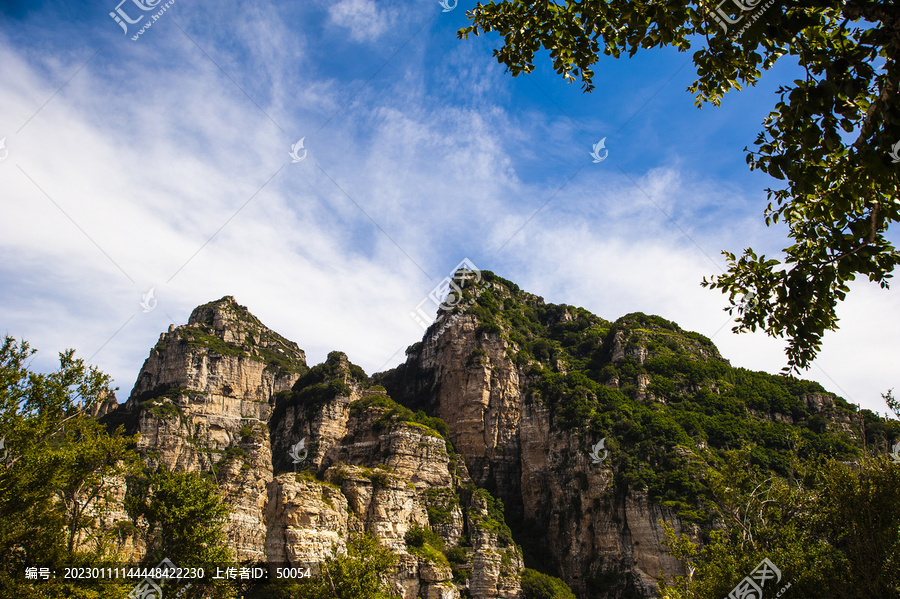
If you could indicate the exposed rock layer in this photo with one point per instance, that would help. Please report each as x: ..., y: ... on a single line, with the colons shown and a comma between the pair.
x: 308, y: 457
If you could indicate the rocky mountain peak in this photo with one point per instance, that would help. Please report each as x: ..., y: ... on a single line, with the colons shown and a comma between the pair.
x: 224, y: 310
x: 228, y: 328
x: 488, y: 432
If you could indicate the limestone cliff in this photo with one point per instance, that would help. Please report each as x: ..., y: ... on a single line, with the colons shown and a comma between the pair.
x: 516, y: 433
x: 529, y: 389
x: 546, y: 480
x: 305, y: 457
x: 202, y: 402
x: 380, y: 469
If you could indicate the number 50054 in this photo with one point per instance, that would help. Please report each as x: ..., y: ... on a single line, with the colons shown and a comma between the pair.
x: 292, y: 572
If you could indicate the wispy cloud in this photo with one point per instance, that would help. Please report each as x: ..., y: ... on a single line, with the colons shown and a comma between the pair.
x: 366, y: 20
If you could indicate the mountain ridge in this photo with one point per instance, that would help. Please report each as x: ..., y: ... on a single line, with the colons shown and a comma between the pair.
x: 482, y: 436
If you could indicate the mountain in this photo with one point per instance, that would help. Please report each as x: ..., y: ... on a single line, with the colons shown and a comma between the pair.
x: 489, y: 435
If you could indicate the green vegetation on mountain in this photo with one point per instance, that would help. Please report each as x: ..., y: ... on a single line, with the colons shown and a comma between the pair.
x: 261, y: 344
x: 322, y: 383
x: 440, y: 504
x: 422, y: 541
x: 667, y: 403
x: 202, y: 337
x: 495, y: 519
x: 394, y: 412
x: 536, y: 585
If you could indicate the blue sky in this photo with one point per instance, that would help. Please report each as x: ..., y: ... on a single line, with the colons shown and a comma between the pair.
x: 163, y: 163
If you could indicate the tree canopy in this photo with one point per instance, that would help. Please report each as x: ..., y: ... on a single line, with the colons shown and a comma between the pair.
x: 180, y: 515
x: 59, y: 472
x: 828, y: 140
x: 358, y: 573
x: 537, y: 585
x: 62, y: 474
x: 834, y: 526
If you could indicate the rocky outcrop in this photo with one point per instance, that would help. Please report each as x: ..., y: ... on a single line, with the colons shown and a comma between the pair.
x: 512, y: 447
x: 308, y: 457
x: 476, y: 391
x: 305, y: 458
x: 202, y: 402
x: 105, y: 404
x: 391, y: 474
x: 305, y: 521
x: 817, y: 402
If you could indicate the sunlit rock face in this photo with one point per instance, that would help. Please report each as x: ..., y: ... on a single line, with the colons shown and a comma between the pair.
x: 547, y: 482
x: 458, y: 442
x: 207, y: 399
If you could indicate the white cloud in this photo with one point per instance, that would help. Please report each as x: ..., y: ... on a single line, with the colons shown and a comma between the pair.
x: 364, y: 18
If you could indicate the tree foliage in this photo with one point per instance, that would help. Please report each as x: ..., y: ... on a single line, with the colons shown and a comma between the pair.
x: 828, y: 137
x: 835, y: 526
x: 180, y: 514
x: 59, y: 474
x: 357, y: 574
x: 536, y: 585
x: 63, y: 476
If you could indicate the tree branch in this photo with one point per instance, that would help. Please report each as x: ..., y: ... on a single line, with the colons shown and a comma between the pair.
x: 870, y: 239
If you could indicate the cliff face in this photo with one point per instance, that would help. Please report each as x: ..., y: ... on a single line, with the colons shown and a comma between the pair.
x: 227, y: 395
x: 516, y: 431
x: 202, y: 403
x: 379, y: 471
x: 529, y: 390
x: 602, y: 544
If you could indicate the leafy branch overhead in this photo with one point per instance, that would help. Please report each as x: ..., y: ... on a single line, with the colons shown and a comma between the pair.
x: 828, y: 139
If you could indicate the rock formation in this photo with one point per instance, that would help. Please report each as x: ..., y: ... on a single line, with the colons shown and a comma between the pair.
x: 227, y: 395
x: 545, y: 479
x: 487, y: 436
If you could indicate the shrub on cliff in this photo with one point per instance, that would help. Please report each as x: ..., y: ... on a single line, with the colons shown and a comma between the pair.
x: 423, y: 542
x: 541, y: 586
x: 358, y: 574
